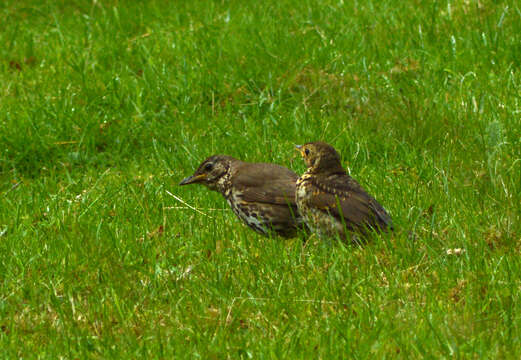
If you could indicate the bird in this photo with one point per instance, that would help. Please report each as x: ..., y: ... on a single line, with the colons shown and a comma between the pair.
x: 262, y: 195
x: 333, y: 203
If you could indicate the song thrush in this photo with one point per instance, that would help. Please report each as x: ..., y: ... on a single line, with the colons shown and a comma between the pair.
x: 261, y: 195
x: 331, y: 201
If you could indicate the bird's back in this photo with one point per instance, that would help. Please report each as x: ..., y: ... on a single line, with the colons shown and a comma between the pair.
x: 266, y: 183
x: 344, y: 198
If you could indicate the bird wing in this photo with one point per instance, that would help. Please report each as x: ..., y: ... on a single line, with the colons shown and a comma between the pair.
x: 342, y: 197
x: 266, y: 183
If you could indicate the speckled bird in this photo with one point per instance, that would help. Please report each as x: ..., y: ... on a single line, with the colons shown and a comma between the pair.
x: 261, y: 195
x: 332, y: 202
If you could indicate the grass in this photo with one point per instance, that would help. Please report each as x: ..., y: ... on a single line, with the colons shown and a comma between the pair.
x: 105, y: 106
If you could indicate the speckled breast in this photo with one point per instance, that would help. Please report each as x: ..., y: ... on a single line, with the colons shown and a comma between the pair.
x: 249, y: 213
x: 320, y: 222
x: 303, y: 198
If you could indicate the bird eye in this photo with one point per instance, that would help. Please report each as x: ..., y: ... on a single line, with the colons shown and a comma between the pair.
x: 306, y: 151
x: 208, y: 167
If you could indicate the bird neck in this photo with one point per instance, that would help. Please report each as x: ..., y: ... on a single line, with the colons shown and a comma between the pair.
x: 326, y: 170
x: 224, y: 184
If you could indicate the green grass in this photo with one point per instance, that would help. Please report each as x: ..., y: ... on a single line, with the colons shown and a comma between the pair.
x: 106, y: 105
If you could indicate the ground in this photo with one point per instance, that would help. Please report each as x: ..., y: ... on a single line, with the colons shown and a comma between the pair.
x: 106, y: 105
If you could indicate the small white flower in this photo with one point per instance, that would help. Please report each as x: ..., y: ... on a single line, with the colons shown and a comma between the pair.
x: 456, y: 251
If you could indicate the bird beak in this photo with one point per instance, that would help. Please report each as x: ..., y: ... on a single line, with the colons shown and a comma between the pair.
x: 192, y: 179
x: 299, y: 148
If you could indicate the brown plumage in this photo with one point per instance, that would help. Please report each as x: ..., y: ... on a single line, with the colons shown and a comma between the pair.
x: 261, y: 195
x: 330, y: 200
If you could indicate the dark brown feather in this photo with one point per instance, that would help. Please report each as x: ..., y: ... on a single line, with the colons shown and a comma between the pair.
x: 342, y: 197
x: 265, y: 183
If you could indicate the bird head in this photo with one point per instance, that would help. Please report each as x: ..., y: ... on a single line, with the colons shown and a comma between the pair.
x: 209, y: 172
x: 320, y: 157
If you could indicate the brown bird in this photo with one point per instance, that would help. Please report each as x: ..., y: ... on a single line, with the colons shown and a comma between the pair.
x: 331, y: 201
x: 261, y: 195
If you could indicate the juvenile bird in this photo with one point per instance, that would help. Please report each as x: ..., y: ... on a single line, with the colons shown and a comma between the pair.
x: 331, y: 201
x: 261, y: 195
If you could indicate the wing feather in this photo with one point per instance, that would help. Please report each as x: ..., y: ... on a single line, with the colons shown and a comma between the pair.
x: 342, y: 197
x: 266, y: 183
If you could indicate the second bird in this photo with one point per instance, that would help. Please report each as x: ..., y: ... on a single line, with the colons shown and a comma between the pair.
x: 261, y: 195
x: 330, y: 200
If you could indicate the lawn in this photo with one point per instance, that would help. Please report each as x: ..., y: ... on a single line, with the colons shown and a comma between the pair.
x: 106, y: 105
